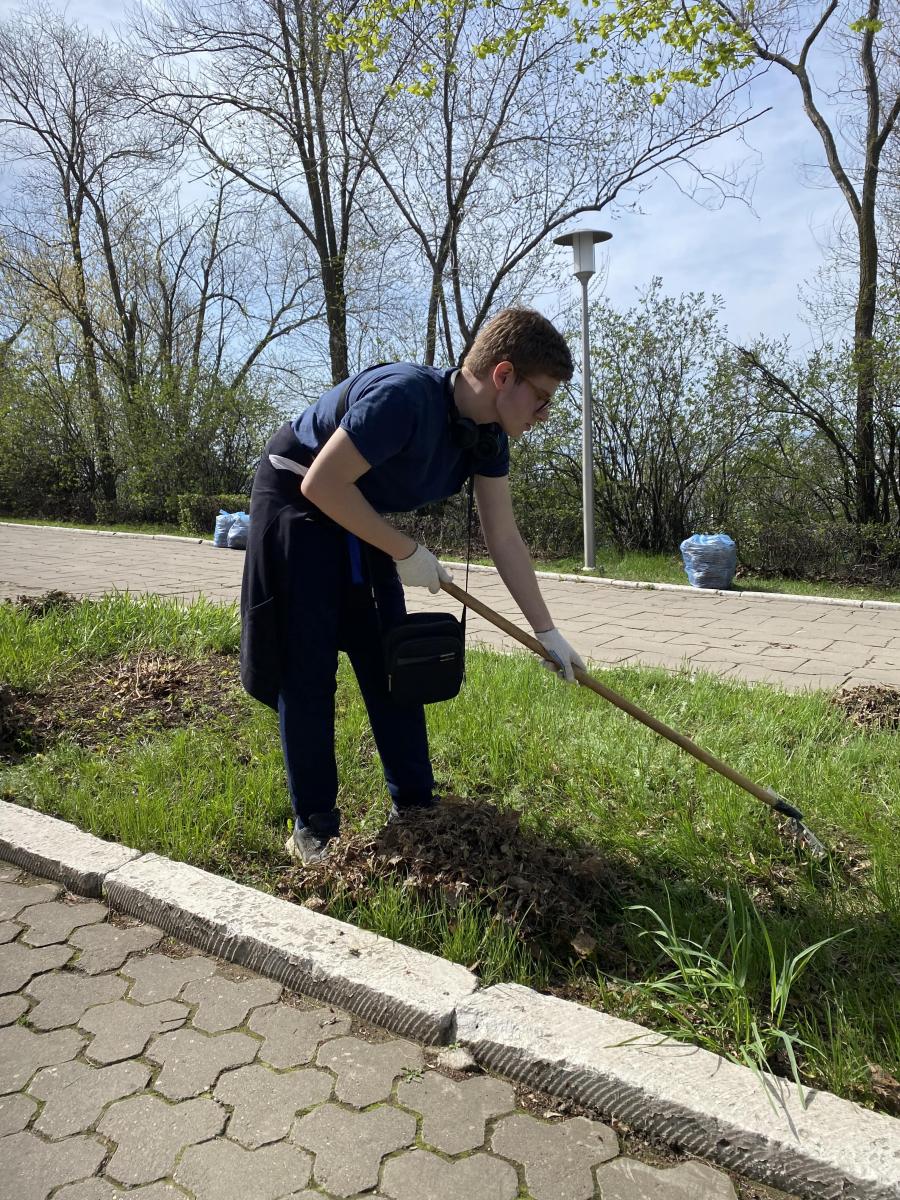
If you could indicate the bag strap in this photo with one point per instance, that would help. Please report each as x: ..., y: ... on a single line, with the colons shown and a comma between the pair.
x: 469, y: 507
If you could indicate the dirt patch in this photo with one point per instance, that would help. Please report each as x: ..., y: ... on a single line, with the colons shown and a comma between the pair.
x: 871, y: 706
x: 52, y: 601
x: 556, y: 895
x: 96, y: 705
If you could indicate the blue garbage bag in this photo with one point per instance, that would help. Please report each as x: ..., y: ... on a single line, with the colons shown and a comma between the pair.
x: 710, y: 560
x: 239, y: 531
x: 224, y: 521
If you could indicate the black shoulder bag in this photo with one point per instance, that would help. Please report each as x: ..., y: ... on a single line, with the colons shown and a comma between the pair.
x: 425, y: 655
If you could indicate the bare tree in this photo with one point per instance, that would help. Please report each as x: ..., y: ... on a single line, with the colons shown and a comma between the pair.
x: 508, y: 149
x: 254, y: 85
x: 854, y: 143
x: 76, y: 148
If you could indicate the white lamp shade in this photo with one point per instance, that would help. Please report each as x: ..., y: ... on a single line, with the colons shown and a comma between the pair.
x: 583, y: 249
x: 582, y: 242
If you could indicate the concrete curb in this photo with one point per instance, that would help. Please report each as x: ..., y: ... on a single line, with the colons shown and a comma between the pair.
x: 406, y: 990
x: 754, y: 1124
x: 634, y: 585
x: 48, y: 846
x: 118, y: 533
x: 830, y: 1149
x: 834, y: 601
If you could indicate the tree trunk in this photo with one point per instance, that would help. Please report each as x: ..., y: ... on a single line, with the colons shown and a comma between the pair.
x: 864, y: 363
x: 336, y: 315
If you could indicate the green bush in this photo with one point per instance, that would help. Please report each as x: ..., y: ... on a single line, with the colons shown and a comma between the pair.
x: 197, y: 513
x: 832, y: 551
x: 148, y: 508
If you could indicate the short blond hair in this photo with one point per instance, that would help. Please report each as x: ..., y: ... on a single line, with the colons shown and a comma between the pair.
x: 525, y: 338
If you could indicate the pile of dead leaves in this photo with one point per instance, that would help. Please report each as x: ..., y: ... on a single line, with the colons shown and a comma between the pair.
x: 871, y: 706
x: 53, y: 601
x: 556, y: 895
x: 94, y: 706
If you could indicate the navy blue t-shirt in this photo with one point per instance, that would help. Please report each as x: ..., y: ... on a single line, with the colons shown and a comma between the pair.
x: 398, y: 419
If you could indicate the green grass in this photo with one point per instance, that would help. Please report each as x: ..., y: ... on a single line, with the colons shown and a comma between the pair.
x: 114, y: 527
x: 638, y: 566
x: 714, y: 908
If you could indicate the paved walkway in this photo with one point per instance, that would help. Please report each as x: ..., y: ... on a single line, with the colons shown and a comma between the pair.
x: 794, y: 644
x: 127, y: 1061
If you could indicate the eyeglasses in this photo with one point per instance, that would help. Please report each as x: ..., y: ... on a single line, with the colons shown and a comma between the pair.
x: 542, y: 398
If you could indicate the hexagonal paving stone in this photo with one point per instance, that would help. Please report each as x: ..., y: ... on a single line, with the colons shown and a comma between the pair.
x: 150, y: 1134
x: 158, y: 977
x: 265, y: 1103
x: 455, y: 1113
x: 20, y: 963
x: 76, y: 1094
x: 420, y: 1173
x: 14, y: 897
x: 627, y: 1179
x: 9, y: 930
x: 557, y: 1158
x: 224, y: 1004
x: 11, y: 1008
x: 53, y: 921
x: 292, y: 1035
x: 106, y: 947
x: 123, y: 1030
x: 23, y: 1052
x: 192, y: 1061
x: 90, y: 1189
x: 366, y: 1071
x: 224, y: 1171
x: 349, y: 1147
x: 33, y: 1168
x: 102, y: 1189
x: 15, y: 1113
x: 64, y: 997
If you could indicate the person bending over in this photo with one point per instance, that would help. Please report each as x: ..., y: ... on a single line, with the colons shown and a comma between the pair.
x: 325, y: 570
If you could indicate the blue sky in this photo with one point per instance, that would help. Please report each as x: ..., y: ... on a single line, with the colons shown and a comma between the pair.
x: 756, y: 257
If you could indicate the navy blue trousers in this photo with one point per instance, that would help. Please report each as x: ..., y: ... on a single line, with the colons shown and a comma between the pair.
x: 326, y: 611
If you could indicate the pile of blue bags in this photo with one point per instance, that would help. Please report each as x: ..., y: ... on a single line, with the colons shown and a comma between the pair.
x: 232, y: 530
x: 710, y: 560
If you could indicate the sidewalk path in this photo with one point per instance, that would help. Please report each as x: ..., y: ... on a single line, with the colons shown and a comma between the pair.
x: 795, y: 644
x: 129, y: 1061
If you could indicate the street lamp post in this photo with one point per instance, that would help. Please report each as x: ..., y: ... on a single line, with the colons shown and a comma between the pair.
x: 582, y: 242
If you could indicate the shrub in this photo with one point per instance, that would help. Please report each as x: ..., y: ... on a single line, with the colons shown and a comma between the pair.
x: 148, y: 508
x: 197, y: 513
x: 831, y: 551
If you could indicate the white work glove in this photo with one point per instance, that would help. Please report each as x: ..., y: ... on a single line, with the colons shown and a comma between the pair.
x: 422, y: 569
x: 561, y: 657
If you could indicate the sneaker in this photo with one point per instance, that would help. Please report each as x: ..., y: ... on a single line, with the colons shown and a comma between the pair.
x: 306, y: 846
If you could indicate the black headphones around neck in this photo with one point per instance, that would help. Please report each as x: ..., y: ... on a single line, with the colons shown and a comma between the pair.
x: 482, y: 441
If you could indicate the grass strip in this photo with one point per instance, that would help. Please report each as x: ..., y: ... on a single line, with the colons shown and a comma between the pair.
x: 691, y: 871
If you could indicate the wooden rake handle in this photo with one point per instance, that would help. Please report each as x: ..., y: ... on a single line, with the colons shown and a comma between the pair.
x: 767, y: 795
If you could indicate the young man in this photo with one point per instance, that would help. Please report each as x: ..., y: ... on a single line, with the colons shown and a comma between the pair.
x: 325, y: 570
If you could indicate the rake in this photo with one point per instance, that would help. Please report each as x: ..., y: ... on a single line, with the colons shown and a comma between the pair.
x: 798, y: 830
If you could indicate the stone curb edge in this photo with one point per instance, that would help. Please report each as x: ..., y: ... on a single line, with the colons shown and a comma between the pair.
x: 818, y: 1146
x: 637, y: 586
x: 634, y: 585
